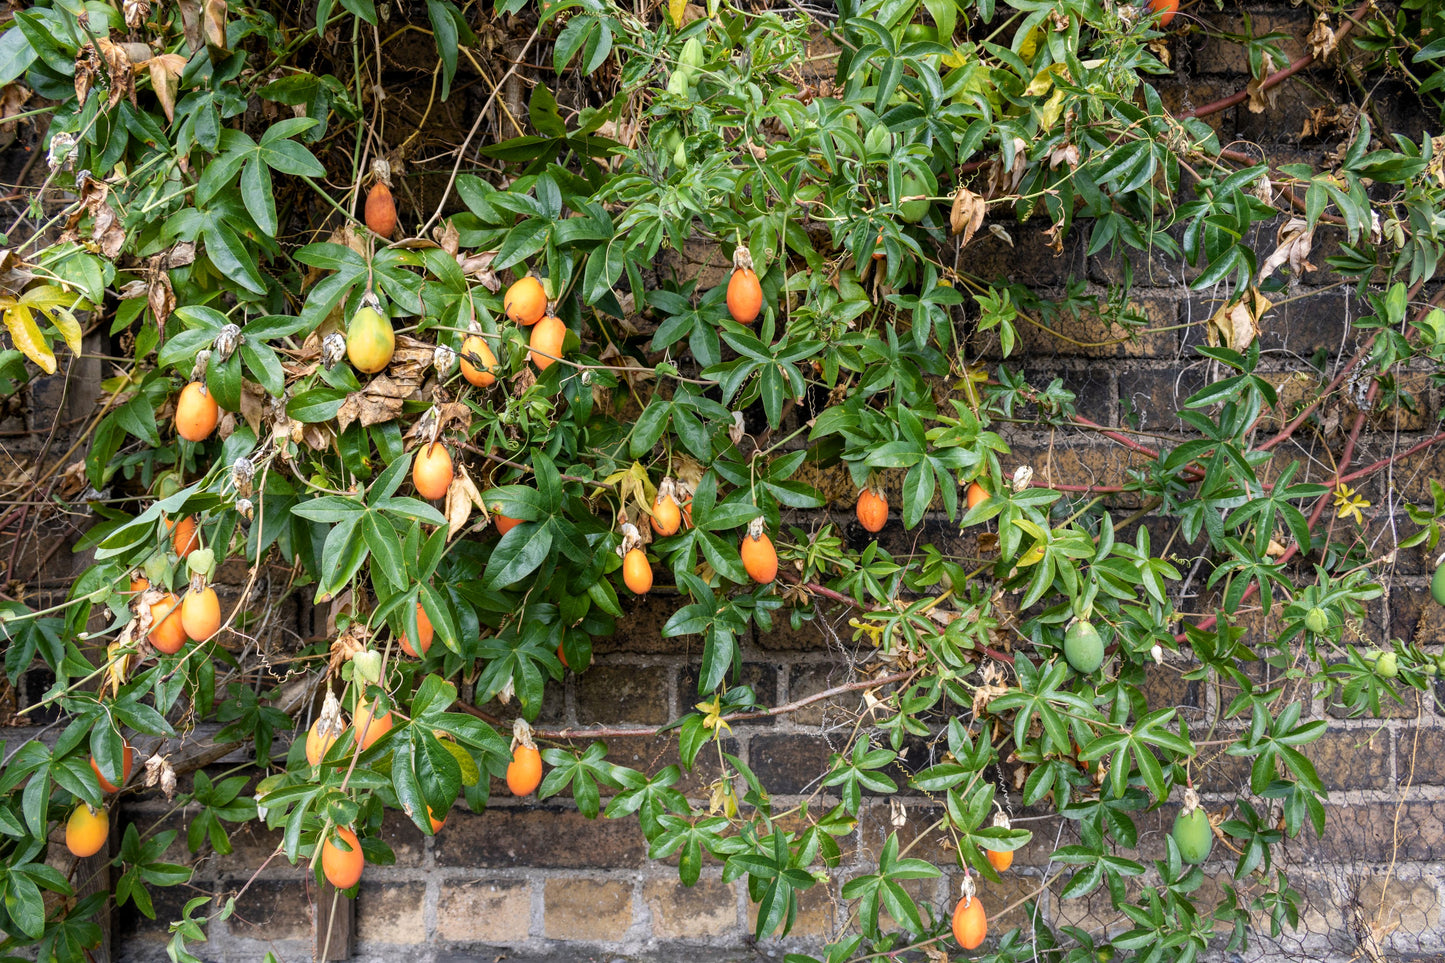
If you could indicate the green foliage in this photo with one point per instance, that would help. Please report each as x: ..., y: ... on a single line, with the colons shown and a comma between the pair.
x: 205, y: 182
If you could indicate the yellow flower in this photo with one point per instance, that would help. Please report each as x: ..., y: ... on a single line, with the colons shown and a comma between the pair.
x: 1348, y: 503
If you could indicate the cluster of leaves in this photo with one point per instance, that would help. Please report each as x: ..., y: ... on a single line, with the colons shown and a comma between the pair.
x: 204, y: 211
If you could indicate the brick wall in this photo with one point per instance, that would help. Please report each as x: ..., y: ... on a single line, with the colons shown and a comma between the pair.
x: 538, y: 881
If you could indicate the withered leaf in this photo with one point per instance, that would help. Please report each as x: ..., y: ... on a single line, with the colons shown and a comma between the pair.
x: 966, y: 217
x: 1293, y: 241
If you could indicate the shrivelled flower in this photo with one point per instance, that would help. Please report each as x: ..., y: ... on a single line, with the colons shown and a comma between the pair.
x: 333, y: 349
x: 227, y: 340
x: 242, y: 473
x: 443, y: 358
x: 245, y: 508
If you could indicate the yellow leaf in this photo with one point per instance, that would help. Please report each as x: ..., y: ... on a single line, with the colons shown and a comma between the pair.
x: 675, y: 9
x: 57, y: 302
x: 25, y: 333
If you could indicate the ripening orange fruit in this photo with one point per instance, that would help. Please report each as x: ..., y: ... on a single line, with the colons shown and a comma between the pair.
x: 666, y: 516
x: 342, y: 866
x: 196, y: 412
x: 431, y: 471
x: 481, y: 377
x: 637, y: 572
x: 201, y: 614
x: 373, y: 729
x: 525, y: 302
x: 168, y: 634
x: 1000, y: 859
x: 977, y: 495
x: 745, y: 296
x: 760, y: 558
x: 319, y: 743
x: 424, y: 632
x: 184, y: 539
x: 86, y: 830
x: 381, y: 210
x: 436, y: 824
x: 139, y: 584
x: 1166, y: 10
x: 524, y: 772
x: 545, y: 344
x: 872, y: 510
x: 127, y: 763
x: 970, y: 925
x: 503, y: 523
x: 370, y: 340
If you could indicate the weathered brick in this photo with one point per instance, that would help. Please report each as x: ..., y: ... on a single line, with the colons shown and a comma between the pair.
x: 404, y: 838
x: 1316, y: 323
x: 806, y: 679
x: 787, y: 764
x: 1150, y: 398
x: 707, y: 909
x: 542, y: 837
x: 640, y: 628
x: 1029, y: 256
x: 627, y: 694
x: 1420, y: 757
x: 1379, y: 832
x: 1090, y: 335
x: 484, y: 910
x: 1216, y: 54
x: 271, y: 909
x: 1352, y: 758
x: 587, y: 909
x: 1408, y: 910
x: 554, y: 706
x: 390, y: 912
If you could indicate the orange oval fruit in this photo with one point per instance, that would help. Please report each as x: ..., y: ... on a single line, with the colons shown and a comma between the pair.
x: 970, y: 925
x: 1166, y: 10
x: 481, y: 377
x: 1000, y: 859
x: 503, y: 523
x: 745, y: 296
x: 127, y: 763
x: 342, y: 866
x: 760, y: 558
x: 525, y: 302
x: 196, y: 412
x: 431, y: 471
x: 436, y: 824
x: 201, y: 614
x: 666, y: 516
x: 86, y: 830
x: 318, y: 744
x: 977, y: 495
x: 139, y: 584
x: 370, y: 340
x: 168, y: 634
x: 872, y: 510
x: 524, y: 772
x: 381, y: 210
x: 369, y: 729
x: 637, y: 572
x: 424, y: 632
x: 184, y: 539
x: 545, y: 344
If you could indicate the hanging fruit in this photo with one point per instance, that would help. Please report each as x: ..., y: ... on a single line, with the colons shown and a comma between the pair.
x: 745, y: 293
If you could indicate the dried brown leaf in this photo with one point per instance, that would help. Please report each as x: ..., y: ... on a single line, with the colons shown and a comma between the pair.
x: 1293, y: 241
x: 966, y: 217
x: 1322, y: 39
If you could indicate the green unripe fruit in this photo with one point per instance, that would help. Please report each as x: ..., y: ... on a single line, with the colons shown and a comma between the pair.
x: 1317, y: 621
x: 1193, y: 836
x: 1387, y: 666
x: 679, y: 157
x: 677, y: 84
x: 914, y: 211
x: 1430, y: 670
x: 920, y: 33
x: 1083, y: 648
x: 1437, y: 585
x: 691, y: 55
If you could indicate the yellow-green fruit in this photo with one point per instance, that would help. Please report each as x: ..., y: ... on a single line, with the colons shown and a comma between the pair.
x: 1317, y: 621
x: 1437, y: 585
x: 913, y: 186
x: 1387, y: 666
x: 1083, y: 647
x: 1193, y: 836
x: 370, y: 341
